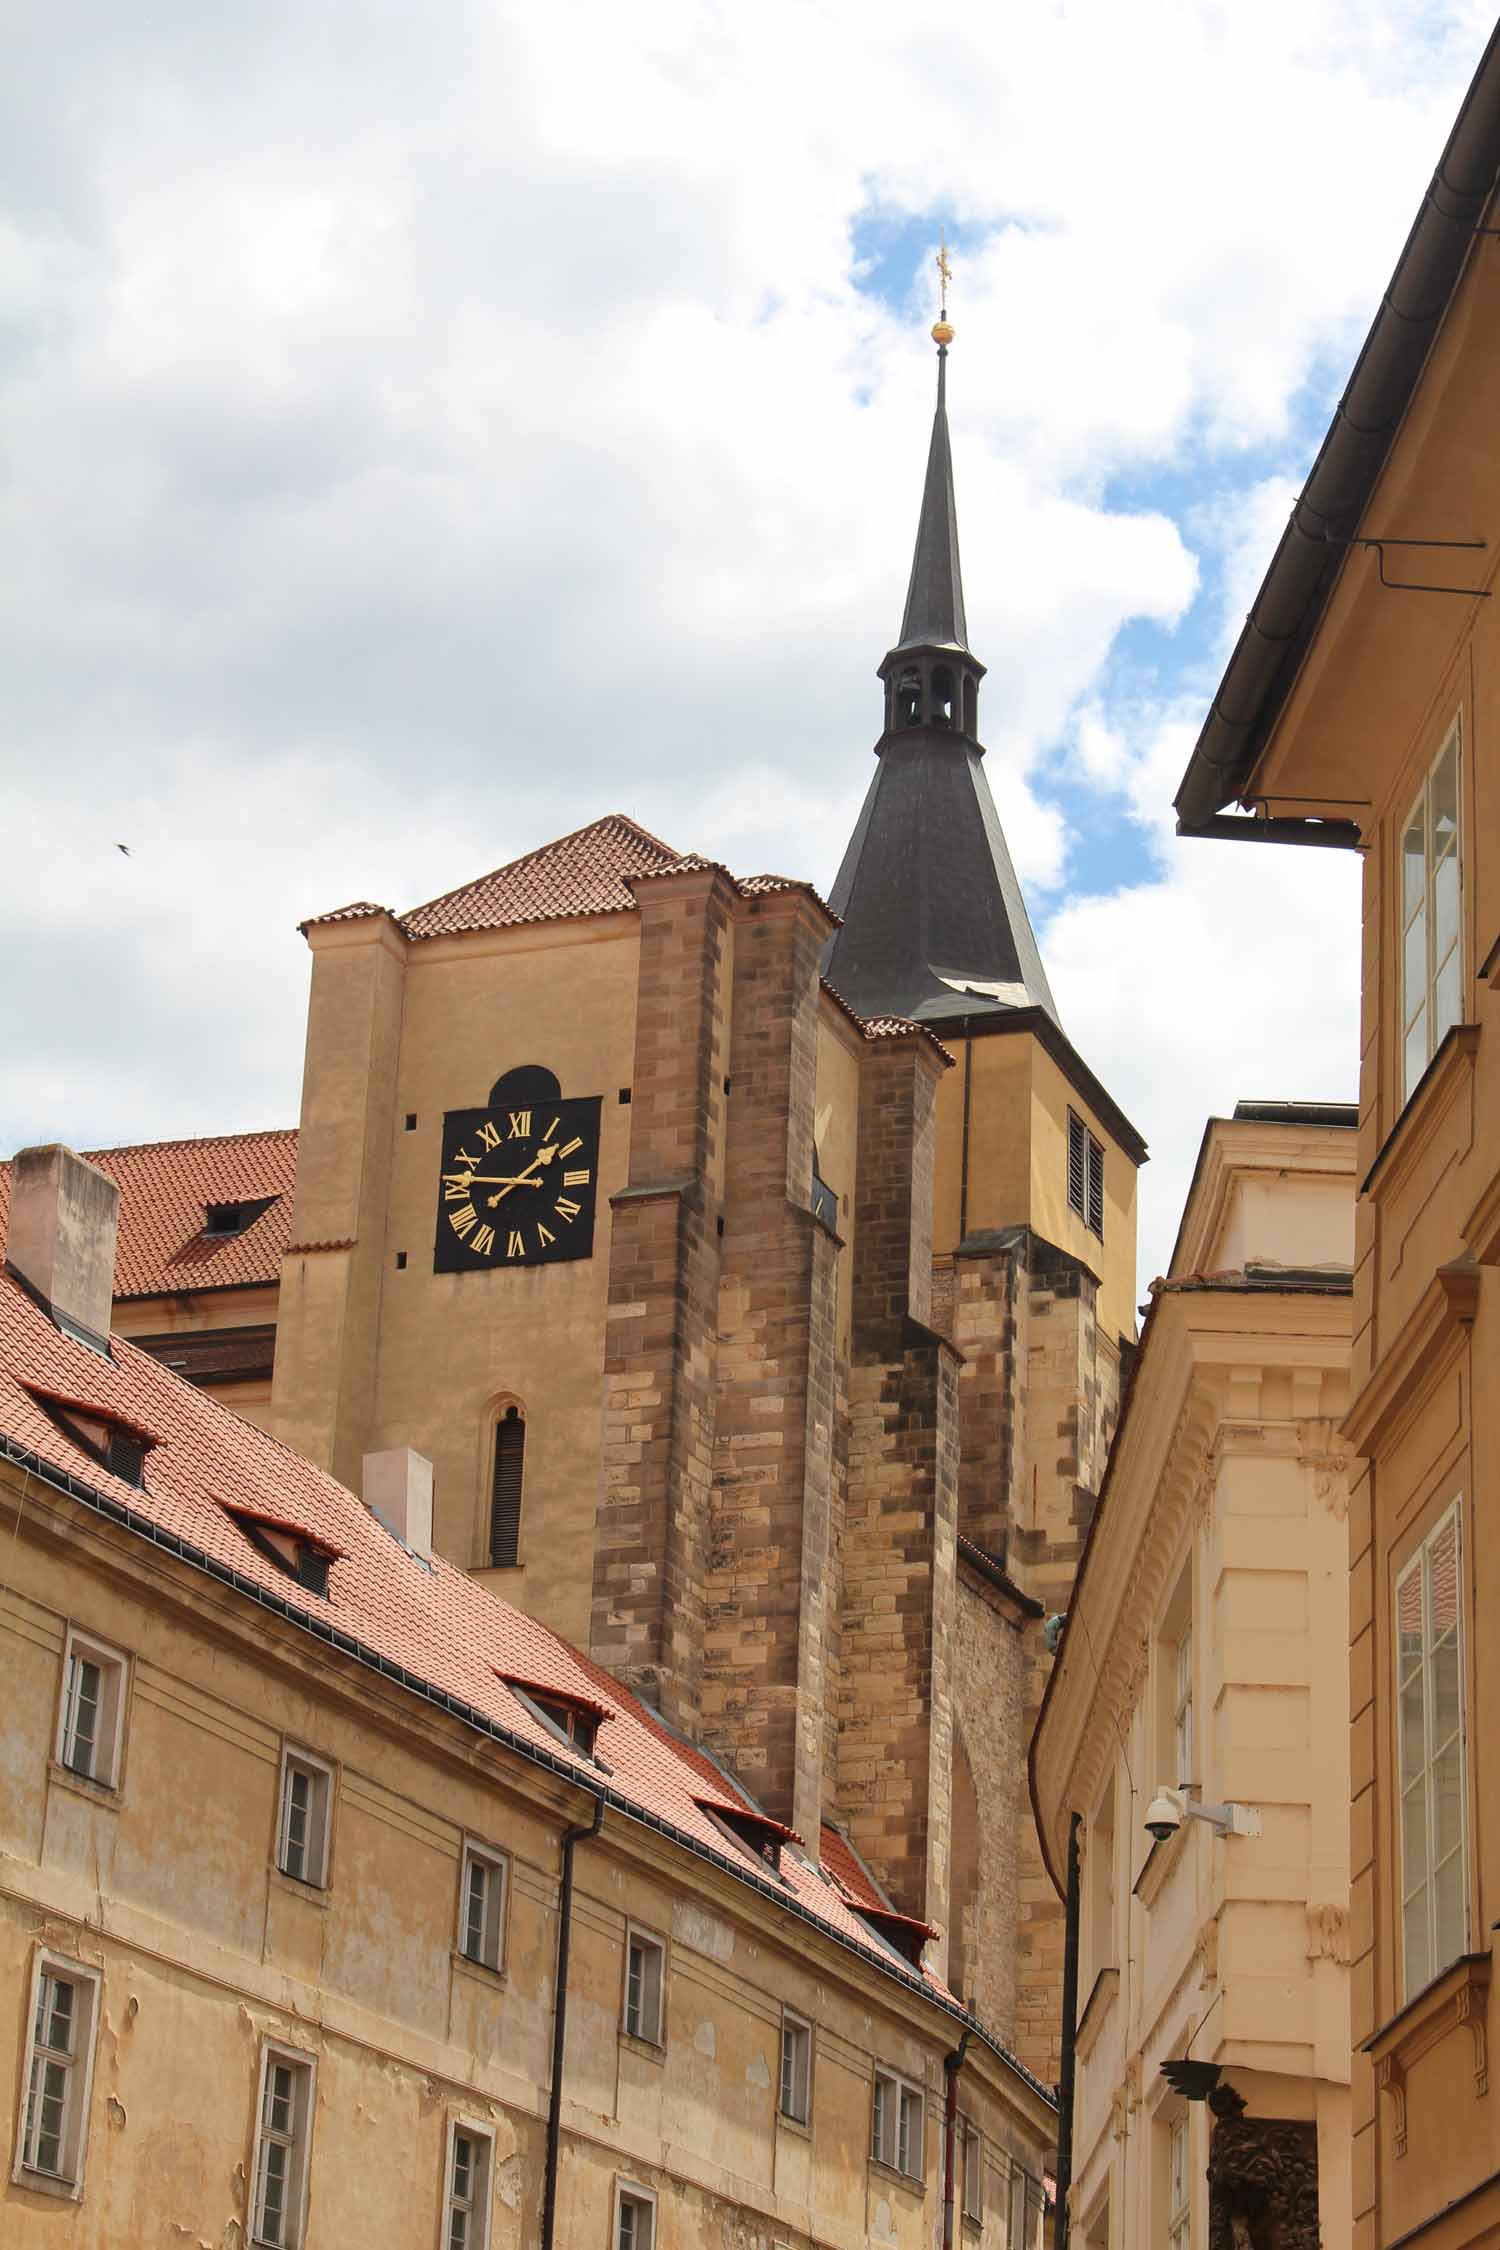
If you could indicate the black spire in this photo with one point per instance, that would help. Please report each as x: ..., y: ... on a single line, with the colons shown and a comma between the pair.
x: 934, y: 924
x: 935, y: 598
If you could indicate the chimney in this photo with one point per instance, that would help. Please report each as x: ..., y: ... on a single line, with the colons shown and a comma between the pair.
x: 64, y: 1213
x: 398, y: 1489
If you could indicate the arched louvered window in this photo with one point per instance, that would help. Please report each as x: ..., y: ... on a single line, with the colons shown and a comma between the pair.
x: 505, y: 1490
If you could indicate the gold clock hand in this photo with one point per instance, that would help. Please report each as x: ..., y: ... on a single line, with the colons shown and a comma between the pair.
x: 495, y: 1179
x: 524, y: 1179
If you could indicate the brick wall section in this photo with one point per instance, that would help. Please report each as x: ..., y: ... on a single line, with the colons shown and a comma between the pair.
x: 989, y: 1756
x: 990, y: 1307
x: 662, y: 1323
x: 769, y: 1590
x: 1072, y: 1381
x: 893, y: 1190
x: 898, y: 1621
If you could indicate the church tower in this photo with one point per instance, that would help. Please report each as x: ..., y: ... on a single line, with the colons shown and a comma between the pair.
x: 1034, y: 1171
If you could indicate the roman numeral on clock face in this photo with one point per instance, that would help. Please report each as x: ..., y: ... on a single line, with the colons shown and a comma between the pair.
x: 516, y: 1246
x: 576, y: 1179
x: 520, y: 1124
x: 489, y: 1135
x: 567, y: 1208
x: 484, y: 1240
x: 462, y: 1221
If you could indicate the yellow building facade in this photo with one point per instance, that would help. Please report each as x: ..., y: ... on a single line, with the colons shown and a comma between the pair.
x: 1377, y: 725
x: 340, y: 1900
x: 1203, y: 1655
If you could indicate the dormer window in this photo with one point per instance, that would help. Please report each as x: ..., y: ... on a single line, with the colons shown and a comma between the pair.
x: 224, y: 1220
x: 574, y: 1717
x: 302, y: 1554
x: 118, y: 1446
x: 755, y: 1830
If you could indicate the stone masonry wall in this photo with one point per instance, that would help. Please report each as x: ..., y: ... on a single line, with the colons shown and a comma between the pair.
x: 989, y: 1756
x: 662, y: 1326
x: 770, y: 1590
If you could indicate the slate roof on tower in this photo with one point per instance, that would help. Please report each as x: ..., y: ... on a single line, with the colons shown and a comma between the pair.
x: 935, y: 926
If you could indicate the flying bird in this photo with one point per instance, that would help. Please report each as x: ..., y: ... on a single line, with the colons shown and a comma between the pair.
x: 125, y: 848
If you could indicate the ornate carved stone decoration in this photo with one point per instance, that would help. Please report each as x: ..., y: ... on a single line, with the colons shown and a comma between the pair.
x: 1262, y: 2180
x: 1206, y: 1950
x: 1327, y: 1933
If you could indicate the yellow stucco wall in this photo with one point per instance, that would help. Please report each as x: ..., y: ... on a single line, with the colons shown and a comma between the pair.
x: 1016, y: 1172
x: 167, y: 1886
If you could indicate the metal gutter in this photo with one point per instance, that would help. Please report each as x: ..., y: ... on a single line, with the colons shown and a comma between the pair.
x: 1305, y: 568
x: 169, y: 1542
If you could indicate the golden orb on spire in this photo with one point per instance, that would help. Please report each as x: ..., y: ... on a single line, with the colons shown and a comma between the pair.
x: 942, y: 332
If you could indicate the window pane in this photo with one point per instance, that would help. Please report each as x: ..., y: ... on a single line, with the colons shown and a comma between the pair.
x: 1415, y: 1052
x: 1447, y: 1799
x: 1413, y: 869
x: 1445, y: 905
x: 1447, y: 998
x: 1414, y: 966
x: 1413, y: 1731
x: 1418, y: 1957
x: 1443, y: 800
x: 1448, y: 1896
x: 1413, y: 1838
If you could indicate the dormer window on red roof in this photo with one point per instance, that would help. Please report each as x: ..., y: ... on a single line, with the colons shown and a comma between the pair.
x: 117, y: 1445
x: 577, y: 1718
x: 755, y: 1830
x: 304, y: 1555
x: 222, y: 1221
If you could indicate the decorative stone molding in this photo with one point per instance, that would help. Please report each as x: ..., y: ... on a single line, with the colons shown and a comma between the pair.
x: 1481, y: 1229
x: 1328, y: 1933
x: 1418, y: 1358
x: 1450, y: 1074
x: 1098, y: 2005
x: 1460, y: 1996
x: 1206, y: 1951
x: 1262, y: 2181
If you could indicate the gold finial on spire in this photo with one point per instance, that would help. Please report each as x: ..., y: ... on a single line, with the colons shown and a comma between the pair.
x: 942, y: 327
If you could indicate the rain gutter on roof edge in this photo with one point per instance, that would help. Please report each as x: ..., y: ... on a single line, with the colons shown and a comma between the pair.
x: 131, y: 1519
x: 1305, y: 568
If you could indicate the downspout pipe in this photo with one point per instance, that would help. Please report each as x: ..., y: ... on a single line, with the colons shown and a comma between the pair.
x: 1068, y: 2054
x: 952, y: 2064
x: 571, y: 1838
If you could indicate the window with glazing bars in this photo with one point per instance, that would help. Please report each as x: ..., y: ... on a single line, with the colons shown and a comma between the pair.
x: 281, y: 2156
x: 302, y: 1837
x: 896, y: 2124
x: 644, y: 1958
x: 482, y: 1907
x: 1430, y: 1736
x: 971, y: 2157
x: 796, y: 2068
x: 1024, y: 2219
x: 89, y: 1724
x: 505, y: 1490
x: 466, y: 2226
x: 1085, y: 1175
x: 52, y: 2132
x: 1182, y: 1706
x: 635, y: 2221
x: 1431, y: 919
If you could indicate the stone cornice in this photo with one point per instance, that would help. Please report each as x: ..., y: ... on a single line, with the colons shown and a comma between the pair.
x: 1239, y: 1149
x: 1446, y: 1076
x: 1420, y: 1355
x: 1481, y: 1229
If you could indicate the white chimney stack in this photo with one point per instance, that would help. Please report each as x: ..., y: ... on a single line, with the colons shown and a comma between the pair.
x: 398, y: 1489
x: 64, y: 1214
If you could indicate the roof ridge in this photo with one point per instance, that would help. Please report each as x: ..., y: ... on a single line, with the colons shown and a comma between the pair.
x: 191, y: 1140
x: 539, y: 851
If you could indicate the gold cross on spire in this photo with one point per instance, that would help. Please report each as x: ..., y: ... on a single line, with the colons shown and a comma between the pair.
x: 942, y: 327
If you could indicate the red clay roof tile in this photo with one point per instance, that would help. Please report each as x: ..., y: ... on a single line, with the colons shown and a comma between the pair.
x: 165, y: 1190
x: 583, y: 873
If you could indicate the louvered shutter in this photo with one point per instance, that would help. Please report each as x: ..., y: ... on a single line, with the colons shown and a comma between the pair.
x: 505, y: 1495
x: 1077, y: 1165
x: 1096, y: 1187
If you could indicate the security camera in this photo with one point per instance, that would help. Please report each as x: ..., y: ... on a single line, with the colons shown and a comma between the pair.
x: 1164, y: 1814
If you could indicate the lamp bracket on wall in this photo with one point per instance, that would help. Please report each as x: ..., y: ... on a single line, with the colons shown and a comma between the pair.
x: 1416, y: 585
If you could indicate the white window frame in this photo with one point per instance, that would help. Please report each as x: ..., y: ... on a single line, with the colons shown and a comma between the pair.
x: 1417, y: 919
x: 77, y: 2066
x: 495, y: 1867
x: 971, y: 2170
x: 794, y: 2100
x: 1179, y: 2181
x: 1442, y: 1952
x: 898, y: 2124
x: 1025, y: 2197
x: 317, y: 1847
x: 297, y: 2138
x: 630, y: 2196
x: 113, y: 1667
x: 648, y: 2027
x: 471, y: 2205
x: 1182, y: 1705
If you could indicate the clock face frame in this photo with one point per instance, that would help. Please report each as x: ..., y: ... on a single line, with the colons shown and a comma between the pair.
x: 518, y: 1185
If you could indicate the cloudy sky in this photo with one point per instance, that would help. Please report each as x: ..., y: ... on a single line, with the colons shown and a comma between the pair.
x: 423, y: 430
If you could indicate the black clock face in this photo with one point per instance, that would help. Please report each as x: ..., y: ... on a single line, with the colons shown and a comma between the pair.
x: 518, y: 1184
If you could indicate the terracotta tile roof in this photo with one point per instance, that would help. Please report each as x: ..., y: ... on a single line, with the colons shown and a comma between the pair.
x: 358, y: 911
x: 883, y: 1027
x: 165, y: 1189
x: 205, y: 1467
x: 584, y: 873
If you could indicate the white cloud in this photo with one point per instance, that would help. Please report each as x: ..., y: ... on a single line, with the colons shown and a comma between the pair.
x: 427, y: 430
